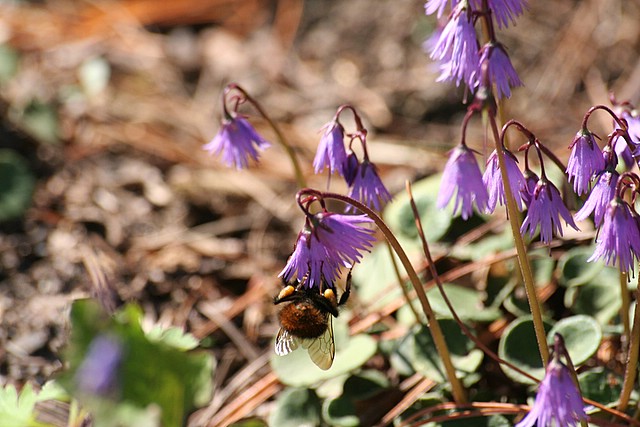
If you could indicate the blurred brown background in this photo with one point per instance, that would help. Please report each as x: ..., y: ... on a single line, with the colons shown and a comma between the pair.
x: 111, y: 101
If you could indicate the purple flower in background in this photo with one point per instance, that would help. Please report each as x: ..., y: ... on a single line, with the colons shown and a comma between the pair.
x: 331, y: 150
x: 501, y: 72
x: 622, y: 148
x: 545, y: 210
x: 601, y: 195
x: 98, y: 373
x: 457, y: 47
x: 461, y: 177
x: 619, y: 238
x: 558, y: 400
x: 437, y: 6
x: 327, y: 242
x: 506, y: 11
x: 237, y: 140
x: 492, y: 180
x: 367, y: 187
x: 585, y: 161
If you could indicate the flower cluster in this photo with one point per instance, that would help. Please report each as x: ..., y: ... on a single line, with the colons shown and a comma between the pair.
x: 463, y: 181
x: 611, y: 200
x: 327, y: 242
x: 618, y: 240
x: 362, y: 177
x: 458, y: 50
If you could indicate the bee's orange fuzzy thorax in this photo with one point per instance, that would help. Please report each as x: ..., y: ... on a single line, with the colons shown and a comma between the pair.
x: 303, y: 319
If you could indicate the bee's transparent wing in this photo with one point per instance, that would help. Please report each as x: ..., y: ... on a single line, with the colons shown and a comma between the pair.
x: 322, y: 349
x: 285, y: 342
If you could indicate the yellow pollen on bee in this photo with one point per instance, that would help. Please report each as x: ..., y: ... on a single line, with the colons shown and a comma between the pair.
x: 288, y: 290
x: 330, y: 295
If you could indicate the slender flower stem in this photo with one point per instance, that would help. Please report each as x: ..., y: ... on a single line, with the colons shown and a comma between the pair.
x: 525, y: 266
x: 436, y: 278
x: 624, y: 307
x: 632, y: 357
x: 396, y: 270
x: 279, y: 135
x: 459, y: 394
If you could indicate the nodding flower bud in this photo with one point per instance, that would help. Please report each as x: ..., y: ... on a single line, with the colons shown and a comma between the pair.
x: 500, y: 70
x: 331, y: 152
x: 237, y: 141
x: 585, y: 161
x: 457, y: 47
x: 545, y: 210
x: 492, y: 179
x: 618, y: 241
x: 462, y: 178
x: 367, y: 187
x: 351, y: 165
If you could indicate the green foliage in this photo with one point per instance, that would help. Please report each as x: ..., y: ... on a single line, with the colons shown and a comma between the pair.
x: 296, y: 407
x: 18, y: 409
x: 158, y: 380
x: 518, y: 345
x: 9, y: 62
x: 16, y: 184
x: 468, y: 303
x: 436, y: 222
x: 599, y: 296
x: 41, y: 121
x: 574, y: 268
x: 418, y: 350
x: 582, y: 335
x: 600, y: 385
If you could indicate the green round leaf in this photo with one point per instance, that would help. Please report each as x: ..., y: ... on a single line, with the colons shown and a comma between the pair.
x: 518, y: 345
x: 582, y: 335
x: 16, y: 185
x: 436, y: 222
x: 574, y: 268
x: 484, y: 247
x: 365, y: 384
x: 468, y: 303
x: 296, y: 407
x: 600, y: 297
x: 600, y: 385
x: 340, y: 412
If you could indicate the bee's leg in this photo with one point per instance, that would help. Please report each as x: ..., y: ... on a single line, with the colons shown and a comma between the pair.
x: 347, y: 290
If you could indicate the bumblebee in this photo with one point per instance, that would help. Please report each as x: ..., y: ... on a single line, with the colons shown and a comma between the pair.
x: 306, y: 321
